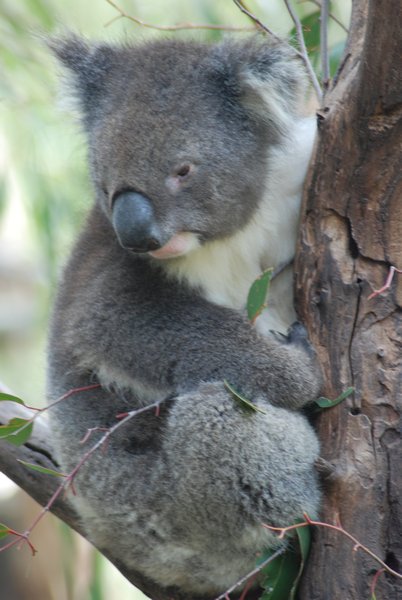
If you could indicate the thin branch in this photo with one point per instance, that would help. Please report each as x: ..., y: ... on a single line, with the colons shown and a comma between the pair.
x: 39, y: 411
x: 303, y: 49
x: 178, y: 27
x: 324, y: 43
x: 251, y: 574
x: 242, y: 8
x: 68, y: 480
x: 259, y: 24
x: 283, y: 530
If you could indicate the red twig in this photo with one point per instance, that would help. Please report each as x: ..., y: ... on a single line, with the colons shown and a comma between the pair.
x: 247, y: 588
x: 68, y: 481
x: 283, y: 530
x: 39, y: 411
x: 387, y: 284
x: 374, y: 583
x: 22, y: 538
x: 90, y: 431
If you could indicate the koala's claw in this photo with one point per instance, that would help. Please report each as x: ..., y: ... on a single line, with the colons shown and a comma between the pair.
x: 296, y: 334
x: 279, y: 336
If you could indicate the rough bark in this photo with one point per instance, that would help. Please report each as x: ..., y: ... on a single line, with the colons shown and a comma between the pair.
x: 351, y: 234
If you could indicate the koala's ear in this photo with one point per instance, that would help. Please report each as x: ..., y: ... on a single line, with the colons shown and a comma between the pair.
x: 86, y: 67
x: 267, y: 78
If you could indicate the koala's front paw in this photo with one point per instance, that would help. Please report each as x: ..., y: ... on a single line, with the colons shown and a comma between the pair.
x: 304, y: 379
x: 297, y: 334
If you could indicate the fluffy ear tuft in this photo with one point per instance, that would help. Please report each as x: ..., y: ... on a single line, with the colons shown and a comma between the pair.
x: 86, y: 67
x: 267, y: 78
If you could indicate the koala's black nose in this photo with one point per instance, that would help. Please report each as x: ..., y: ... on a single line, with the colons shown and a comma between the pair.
x: 134, y: 222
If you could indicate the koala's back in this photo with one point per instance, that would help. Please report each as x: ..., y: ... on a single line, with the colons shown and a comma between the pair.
x: 189, y: 145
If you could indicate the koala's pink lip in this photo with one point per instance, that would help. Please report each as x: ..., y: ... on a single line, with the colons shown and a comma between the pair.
x: 177, y: 245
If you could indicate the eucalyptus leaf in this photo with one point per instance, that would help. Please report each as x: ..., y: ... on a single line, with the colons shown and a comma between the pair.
x: 10, y: 398
x: 327, y: 403
x: 304, y: 537
x: 4, y: 531
x: 257, y: 295
x: 247, y: 404
x: 17, y: 431
x: 280, y: 576
x: 44, y: 470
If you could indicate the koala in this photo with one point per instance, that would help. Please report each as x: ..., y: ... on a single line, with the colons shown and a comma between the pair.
x: 197, y: 155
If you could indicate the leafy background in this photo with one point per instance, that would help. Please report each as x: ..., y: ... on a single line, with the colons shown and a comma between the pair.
x: 44, y: 192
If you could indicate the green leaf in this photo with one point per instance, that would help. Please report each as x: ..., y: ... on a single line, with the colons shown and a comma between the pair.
x: 9, y: 398
x: 247, y: 404
x: 311, y: 31
x: 280, y: 575
x: 4, y: 531
x: 41, y: 469
x: 304, y: 537
x: 11, y: 431
x: 327, y: 403
x: 257, y: 295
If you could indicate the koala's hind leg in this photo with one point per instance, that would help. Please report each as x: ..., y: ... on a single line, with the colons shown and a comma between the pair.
x: 260, y: 464
x: 232, y: 469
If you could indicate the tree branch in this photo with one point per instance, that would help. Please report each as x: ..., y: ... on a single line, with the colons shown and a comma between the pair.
x: 38, y: 451
x: 324, y: 43
x: 259, y: 24
x: 303, y: 49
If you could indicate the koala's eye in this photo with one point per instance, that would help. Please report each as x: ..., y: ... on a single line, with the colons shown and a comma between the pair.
x: 183, y: 171
x: 180, y: 177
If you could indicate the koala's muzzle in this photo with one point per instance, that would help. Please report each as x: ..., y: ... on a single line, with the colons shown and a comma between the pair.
x: 134, y: 222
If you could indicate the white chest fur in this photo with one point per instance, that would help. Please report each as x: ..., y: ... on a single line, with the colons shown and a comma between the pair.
x: 225, y: 269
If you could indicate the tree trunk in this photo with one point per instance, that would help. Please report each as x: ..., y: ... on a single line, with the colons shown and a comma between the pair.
x: 351, y: 234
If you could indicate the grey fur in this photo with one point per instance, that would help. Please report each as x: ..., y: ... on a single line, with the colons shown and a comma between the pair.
x: 180, y: 496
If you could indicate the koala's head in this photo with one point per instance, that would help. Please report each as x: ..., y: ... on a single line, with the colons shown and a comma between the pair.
x: 179, y: 133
